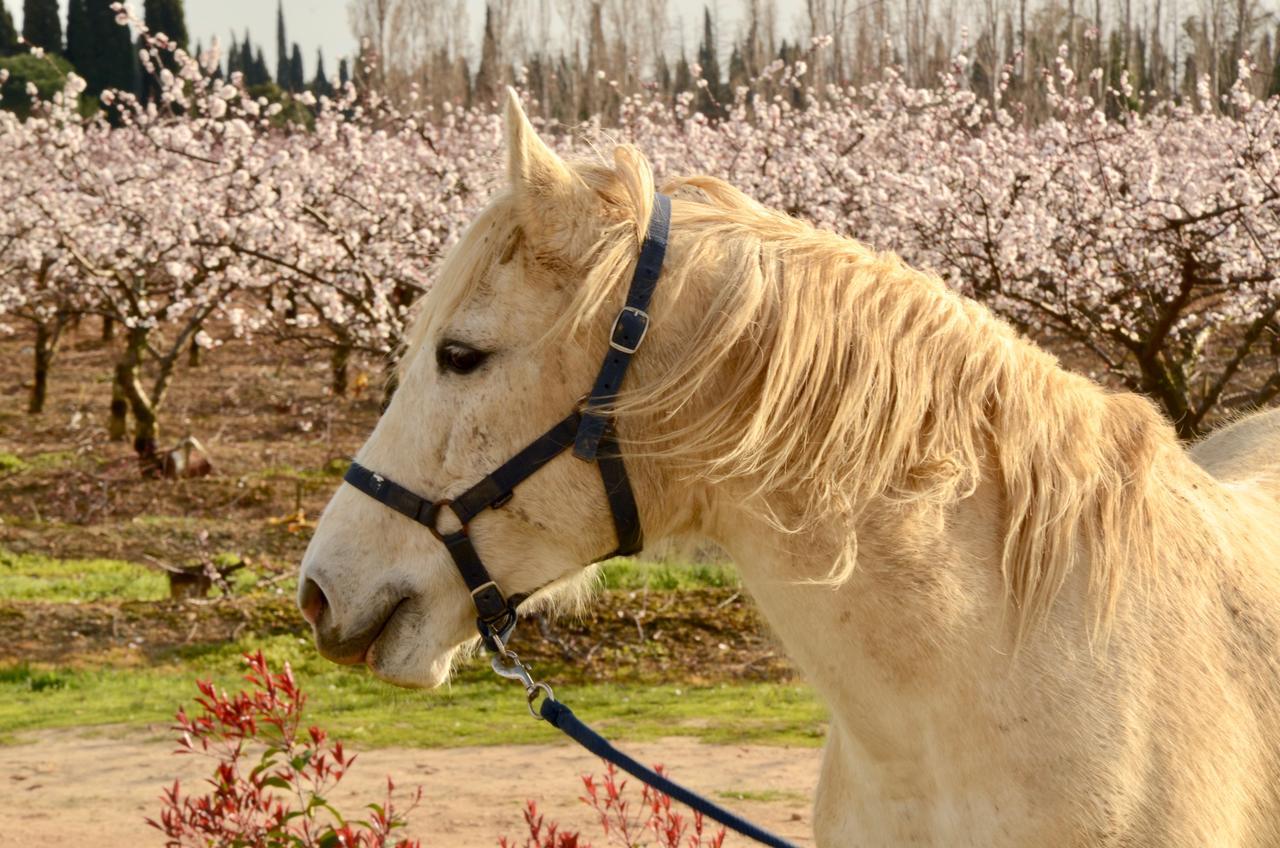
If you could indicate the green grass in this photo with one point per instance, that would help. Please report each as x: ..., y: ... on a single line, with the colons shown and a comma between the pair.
x: 330, y: 471
x: 626, y: 573
x: 11, y: 463
x: 764, y: 795
x: 478, y: 709
x: 36, y: 577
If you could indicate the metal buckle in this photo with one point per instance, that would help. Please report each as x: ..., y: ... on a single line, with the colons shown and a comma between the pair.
x: 644, y: 329
x: 477, y: 590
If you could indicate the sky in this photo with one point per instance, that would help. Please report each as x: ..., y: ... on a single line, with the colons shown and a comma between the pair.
x: 322, y: 24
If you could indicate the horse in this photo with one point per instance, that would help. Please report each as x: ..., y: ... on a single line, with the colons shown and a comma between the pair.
x: 1035, y: 617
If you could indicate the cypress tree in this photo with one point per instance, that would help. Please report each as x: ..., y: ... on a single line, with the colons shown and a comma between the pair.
x: 684, y: 76
x: 297, y: 75
x: 8, y: 35
x: 167, y: 16
x: 41, y: 25
x: 108, y: 59
x: 78, y: 44
x: 710, y: 96
x: 1274, y: 88
x: 260, y: 74
x: 488, y: 75
x: 233, y: 58
x: 321, y: 86
x: 344, y: 73
x: 283, y: 67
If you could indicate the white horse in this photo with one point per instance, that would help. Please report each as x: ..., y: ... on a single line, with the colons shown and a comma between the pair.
x: 1035, y: 619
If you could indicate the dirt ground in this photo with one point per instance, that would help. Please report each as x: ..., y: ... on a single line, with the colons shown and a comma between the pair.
x: 68, y: 788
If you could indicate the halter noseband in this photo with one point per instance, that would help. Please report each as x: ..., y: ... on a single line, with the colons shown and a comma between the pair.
x: 589, y: 431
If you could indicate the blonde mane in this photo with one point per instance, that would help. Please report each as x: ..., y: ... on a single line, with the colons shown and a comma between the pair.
x: 831, y: 376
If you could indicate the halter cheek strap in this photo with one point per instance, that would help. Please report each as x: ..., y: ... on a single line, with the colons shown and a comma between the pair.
x: 590, y: 432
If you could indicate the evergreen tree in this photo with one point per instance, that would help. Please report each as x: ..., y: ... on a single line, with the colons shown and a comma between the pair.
x: 8, y: 35
x: 1274, y: 88
x: 710, y: 96
x: 344, y: 73
x: 41, y: 24
x: 233, y: 58
x: 684, y: 76
x: 488, y: 75
x: 78, y: 44
x: 167, y: 16
x: 107, y: 58
x: 738, y: 74
x: 321, y: 86
x: 662, y: 74
x: 259, y: 75
x: 297, y: 75
x: 283, y: 67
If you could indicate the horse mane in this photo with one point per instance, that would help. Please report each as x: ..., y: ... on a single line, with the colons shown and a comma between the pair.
x: 826, y: 376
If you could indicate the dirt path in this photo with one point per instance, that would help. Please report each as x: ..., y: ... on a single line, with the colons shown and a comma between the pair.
x: 65, y: 788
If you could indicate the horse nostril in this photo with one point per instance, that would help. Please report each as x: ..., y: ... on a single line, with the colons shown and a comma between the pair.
x: 312, y: 601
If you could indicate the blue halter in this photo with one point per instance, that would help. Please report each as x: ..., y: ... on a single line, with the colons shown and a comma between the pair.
x: 590, y: 432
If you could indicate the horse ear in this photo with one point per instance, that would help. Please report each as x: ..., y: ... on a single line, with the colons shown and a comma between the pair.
x: 551, y: 200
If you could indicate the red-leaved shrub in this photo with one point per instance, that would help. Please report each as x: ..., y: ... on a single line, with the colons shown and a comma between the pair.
x: 650, y: 824
x: 271, y: 778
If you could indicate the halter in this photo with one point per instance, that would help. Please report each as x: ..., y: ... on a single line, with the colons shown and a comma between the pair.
x: 590, y: 431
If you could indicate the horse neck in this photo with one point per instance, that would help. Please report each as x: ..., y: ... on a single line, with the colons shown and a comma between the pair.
x: 1063, y: 500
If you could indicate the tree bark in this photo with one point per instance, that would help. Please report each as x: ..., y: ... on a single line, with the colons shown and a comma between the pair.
x: 146, y: 431
x: 108, y: 328
x: 47, y: 335
x: 339, y: 362
x: 193, y: 355
x: 118, y: 426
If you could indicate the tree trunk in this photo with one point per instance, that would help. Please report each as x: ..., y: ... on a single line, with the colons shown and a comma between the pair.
x: 46, y: 340
x: 146, y: 432
x: 108, y: 328
x: 193, y: 355
x: 339, y: 360
x: 118, y: 427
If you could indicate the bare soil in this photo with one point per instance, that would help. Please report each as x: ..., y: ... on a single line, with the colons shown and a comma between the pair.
x: 64, y: 788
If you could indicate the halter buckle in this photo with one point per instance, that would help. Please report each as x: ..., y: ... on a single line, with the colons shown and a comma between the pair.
x: 632, y: 322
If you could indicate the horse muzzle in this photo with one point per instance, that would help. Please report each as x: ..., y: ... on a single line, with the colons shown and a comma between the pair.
x: 345, y: 639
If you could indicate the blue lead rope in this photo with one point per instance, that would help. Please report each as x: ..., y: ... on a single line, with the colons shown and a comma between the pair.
x: 562, y: 717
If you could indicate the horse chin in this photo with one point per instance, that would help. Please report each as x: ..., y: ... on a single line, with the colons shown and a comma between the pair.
x: 402, y: 663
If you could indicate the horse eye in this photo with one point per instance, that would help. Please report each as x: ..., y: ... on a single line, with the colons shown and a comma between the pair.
x: 459, y: 358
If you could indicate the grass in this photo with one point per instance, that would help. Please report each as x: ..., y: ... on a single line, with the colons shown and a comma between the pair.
x: 765, y: 795
x: 35, y: 577
x: 626, y: 573
x: 11, y: 463
x: 478, y: 709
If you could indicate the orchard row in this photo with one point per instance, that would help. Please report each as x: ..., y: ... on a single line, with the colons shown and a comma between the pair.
x: 1146, y: 245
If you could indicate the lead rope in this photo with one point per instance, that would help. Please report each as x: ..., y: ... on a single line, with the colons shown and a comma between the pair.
x: 506, y: 664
